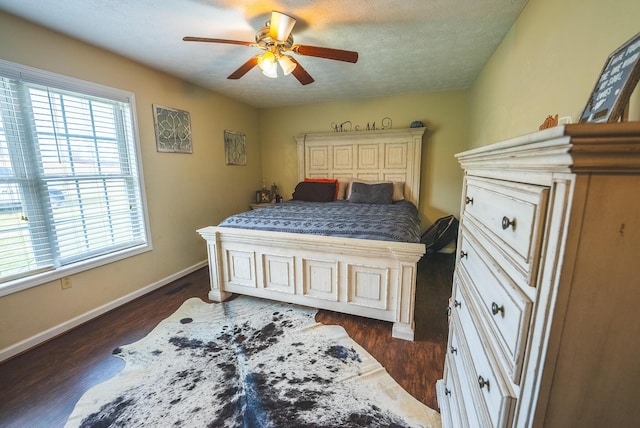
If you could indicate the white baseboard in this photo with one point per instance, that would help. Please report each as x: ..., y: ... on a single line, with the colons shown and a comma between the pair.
x: 42, y: 337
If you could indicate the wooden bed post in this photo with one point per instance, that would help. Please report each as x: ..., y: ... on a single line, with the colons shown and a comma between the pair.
x: 404, y: 327
x: 215, y: 265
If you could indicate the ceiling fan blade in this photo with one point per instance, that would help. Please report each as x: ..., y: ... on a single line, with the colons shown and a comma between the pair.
x: 328, y: 53
x: 280, y: 26
x: 206, y: 39
x: 301, y: 74
x: 244, y: 68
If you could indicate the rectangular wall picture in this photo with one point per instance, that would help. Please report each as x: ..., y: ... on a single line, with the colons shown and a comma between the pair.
x: 235, y: 148
x: 173, y: 130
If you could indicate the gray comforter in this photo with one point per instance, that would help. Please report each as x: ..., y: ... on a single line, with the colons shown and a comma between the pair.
x: 393, y: 222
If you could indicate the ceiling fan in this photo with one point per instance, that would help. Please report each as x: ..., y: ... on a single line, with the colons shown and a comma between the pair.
x: 275, y: 38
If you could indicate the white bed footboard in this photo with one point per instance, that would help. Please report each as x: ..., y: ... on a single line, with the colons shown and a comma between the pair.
x: 375, y: 279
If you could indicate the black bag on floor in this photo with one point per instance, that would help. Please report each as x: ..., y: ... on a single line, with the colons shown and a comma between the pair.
x: 440, y: 233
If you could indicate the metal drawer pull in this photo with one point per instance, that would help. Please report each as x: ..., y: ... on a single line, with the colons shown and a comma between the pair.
x: 453, y: 350
x: 483, y: 382
x: 463, y: 254
x: 506, y: 223
x: 457, y: 304
x: 447, y: 391
x: 495, y: 309
x: 468, y: 200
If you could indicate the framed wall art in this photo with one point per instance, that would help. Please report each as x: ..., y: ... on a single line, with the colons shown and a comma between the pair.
x: 617, y: 81
x: 235, y: 148
x: 173, y: 130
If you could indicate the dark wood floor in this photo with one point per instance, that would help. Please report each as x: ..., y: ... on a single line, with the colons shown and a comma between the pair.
x: 41, y: 387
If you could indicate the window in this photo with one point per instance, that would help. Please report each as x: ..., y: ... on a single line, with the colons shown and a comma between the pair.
x: 70, y: 183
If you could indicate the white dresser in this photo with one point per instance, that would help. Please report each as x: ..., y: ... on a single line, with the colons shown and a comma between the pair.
x: 545, y: 309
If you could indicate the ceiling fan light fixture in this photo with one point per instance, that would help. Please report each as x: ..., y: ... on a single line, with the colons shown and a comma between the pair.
x: 272, y: 72
x: 268, y: 65
x: 280, y: 26
x: 286, y: 64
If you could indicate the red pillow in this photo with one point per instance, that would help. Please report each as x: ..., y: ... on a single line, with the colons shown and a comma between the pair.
x: 325, y: 180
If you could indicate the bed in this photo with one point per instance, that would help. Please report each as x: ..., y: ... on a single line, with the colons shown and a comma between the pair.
x: 373, y: 278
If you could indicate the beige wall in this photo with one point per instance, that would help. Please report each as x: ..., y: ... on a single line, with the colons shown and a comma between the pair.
x: 184, y: 191
x: 548, y: 64
x: 444, y: 114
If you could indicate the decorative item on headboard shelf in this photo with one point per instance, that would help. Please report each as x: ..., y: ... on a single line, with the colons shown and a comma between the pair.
x: 347, y: 126
x: 549, y: 122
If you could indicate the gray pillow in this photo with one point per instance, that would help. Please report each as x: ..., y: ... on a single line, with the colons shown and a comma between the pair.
x: 381, y: 193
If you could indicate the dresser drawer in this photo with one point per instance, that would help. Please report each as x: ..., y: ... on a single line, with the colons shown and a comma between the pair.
x: 458, y: 361
x: 502, y: 256
x: 503, y: 308
x: 495, y: 399
x: 450, y: 399
x: 446, y: 399
x: 512, y: 216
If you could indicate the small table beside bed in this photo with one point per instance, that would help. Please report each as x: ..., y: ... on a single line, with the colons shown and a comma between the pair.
x: 349, y: 241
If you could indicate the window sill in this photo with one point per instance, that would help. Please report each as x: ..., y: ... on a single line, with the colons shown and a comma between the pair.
x: 35, y: 280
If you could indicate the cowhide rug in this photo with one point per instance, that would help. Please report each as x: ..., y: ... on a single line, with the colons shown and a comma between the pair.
x: 248, y: 363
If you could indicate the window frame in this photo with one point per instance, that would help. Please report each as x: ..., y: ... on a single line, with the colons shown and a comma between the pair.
x: 57, y: 81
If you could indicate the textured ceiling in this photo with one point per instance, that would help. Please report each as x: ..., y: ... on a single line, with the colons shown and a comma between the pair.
x: 404, y: 45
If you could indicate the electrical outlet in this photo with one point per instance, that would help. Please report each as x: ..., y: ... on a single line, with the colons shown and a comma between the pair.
x: 564, y: 120
x: 65, y: 282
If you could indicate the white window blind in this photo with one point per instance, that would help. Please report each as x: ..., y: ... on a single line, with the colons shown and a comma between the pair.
x: 70, y: 187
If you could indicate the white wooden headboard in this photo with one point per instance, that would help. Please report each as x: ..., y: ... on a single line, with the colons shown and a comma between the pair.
x: 387, y: 155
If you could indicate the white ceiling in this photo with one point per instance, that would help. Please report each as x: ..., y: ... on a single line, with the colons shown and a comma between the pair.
x: 404, y: 46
